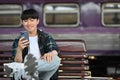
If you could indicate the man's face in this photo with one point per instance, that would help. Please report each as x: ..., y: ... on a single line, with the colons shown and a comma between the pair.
x: 30, y: 24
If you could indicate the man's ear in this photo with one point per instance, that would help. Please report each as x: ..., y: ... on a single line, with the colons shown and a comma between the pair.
x: 38, y: 21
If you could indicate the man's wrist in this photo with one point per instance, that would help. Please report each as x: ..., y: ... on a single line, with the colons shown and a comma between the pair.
x: 19, y: 49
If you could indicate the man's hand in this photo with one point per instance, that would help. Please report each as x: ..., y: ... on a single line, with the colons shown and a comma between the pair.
x: 22, y: 43
x: 49, y: 56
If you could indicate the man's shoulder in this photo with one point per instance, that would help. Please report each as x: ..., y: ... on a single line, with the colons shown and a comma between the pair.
x: 43, y: 33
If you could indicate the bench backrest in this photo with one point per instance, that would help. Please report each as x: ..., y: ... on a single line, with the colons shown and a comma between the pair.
x: 74, y: 63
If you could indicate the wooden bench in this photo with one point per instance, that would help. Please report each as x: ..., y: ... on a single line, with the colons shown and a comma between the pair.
x: 5, y: 56
x: 74, y: 63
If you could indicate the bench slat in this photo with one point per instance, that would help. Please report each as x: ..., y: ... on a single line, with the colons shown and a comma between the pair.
x: 2, y: 73
x: 73, y: 56
x: 5, y: 55
x: 75, y: 62
x: 5, y: 78
x: 71, y: 74
x: 74, y: 68
x: 6, y: 61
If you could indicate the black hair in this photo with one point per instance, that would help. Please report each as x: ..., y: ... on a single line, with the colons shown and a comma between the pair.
x: 29, y: 13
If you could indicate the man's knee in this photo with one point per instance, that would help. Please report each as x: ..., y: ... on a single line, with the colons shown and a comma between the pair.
x: 56, y: 61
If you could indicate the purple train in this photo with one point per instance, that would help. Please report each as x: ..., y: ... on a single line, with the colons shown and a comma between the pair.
x: 95, y: 21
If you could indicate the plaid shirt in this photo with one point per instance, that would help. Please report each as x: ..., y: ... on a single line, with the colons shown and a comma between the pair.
x: 46, y: 44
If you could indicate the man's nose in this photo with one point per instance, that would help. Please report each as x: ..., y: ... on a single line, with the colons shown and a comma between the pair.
x: 28, y: 22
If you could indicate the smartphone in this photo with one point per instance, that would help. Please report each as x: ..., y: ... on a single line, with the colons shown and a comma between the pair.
x: 24, y: 34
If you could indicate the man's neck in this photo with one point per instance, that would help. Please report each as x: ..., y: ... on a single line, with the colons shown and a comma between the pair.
x: 32, y: 34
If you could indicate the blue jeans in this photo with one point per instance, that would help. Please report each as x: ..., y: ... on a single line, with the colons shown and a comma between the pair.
x: 46, y: 70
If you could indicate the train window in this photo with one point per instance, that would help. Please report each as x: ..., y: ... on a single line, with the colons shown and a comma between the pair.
x: 111, y: 14
x: 61, y: 15
x: 10, y: 15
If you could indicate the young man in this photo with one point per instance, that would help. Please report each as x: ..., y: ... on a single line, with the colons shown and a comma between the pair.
x: 36, y: 56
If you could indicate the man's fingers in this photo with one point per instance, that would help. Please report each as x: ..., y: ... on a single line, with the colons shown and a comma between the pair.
x: 48, y: 57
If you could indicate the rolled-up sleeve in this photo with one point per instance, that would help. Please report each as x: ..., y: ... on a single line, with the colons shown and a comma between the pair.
x: 51, y: 44
x: 14, y: 47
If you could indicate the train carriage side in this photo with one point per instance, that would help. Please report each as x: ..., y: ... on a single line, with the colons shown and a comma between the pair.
x: 95, y: 21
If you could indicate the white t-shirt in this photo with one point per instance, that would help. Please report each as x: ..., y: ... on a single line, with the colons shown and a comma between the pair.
x: 34, y: 48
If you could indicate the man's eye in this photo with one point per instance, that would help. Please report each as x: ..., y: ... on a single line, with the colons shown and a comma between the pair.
x: 25, y: 20
x: 32, y: 20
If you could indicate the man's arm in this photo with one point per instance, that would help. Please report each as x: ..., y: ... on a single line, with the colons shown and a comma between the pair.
x: 18, y: 56
x: 21, y: 44
x: 52, y: 49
